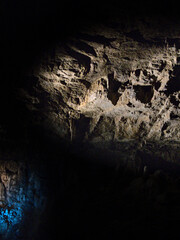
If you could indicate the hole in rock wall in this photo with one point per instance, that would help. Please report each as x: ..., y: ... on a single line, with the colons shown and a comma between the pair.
x: 143, y: 93
x: 114, y: 85
x: 174, y: 83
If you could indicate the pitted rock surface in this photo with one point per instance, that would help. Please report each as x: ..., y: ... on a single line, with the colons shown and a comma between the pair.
x: 111, y: 83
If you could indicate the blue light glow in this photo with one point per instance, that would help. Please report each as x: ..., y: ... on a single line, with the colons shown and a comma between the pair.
x: 19, y: 202
x: 9, y: 217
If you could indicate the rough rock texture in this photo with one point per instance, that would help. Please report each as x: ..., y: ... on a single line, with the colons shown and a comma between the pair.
x: 95, y: 153
x: 111, y: 84
x: 112, y: 91
x: 89, y: 134
x: 22, y: 200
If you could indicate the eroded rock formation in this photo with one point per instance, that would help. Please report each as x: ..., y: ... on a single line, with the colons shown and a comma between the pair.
x: 112, y: 83
x: 113, y: 92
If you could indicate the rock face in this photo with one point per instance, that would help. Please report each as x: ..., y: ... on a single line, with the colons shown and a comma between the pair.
x: 113, y: 92
x: 111, y: 83
x: 89, y: 120
x: 21, y: 200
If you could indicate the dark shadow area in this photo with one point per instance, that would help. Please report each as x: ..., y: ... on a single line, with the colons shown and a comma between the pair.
x: 144, y: 93
x: 174, y: 83
x: 89, y: 199
x: 114, y: 85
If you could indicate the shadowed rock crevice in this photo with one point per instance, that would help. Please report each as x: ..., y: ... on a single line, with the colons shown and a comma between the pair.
x: 83, y: 46
x: 81, y: 128
x: 143, y: 93
x: 82, y: 59
x: 114, y: 86
x: 96, y: 38
x: 174, y: 83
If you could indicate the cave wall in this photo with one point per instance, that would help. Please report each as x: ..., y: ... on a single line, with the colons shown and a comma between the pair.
x: 111, y: 85
x: 111, y: 92
x: 23, y: 198
x: 124, y: 78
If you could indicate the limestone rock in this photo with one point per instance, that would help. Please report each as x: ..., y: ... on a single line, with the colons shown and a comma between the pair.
x: 111, y: 84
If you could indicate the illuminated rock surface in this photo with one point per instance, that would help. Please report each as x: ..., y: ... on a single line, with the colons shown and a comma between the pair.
x: 90, y: 132
x: 112, y: 85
